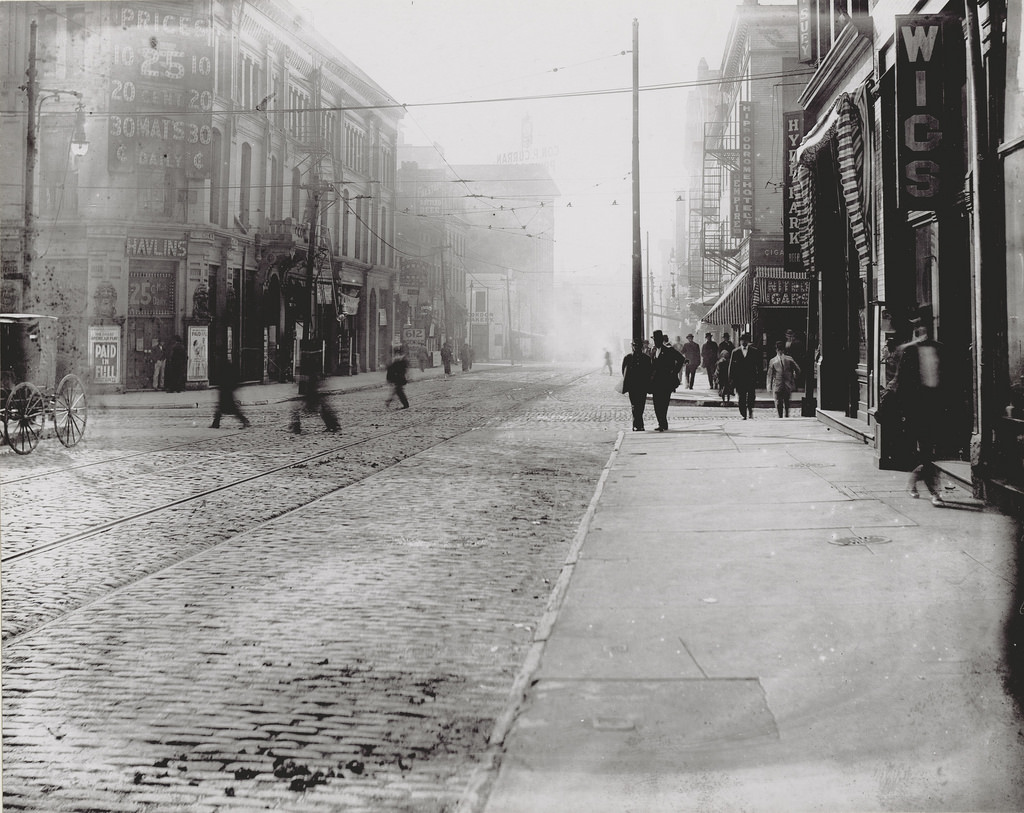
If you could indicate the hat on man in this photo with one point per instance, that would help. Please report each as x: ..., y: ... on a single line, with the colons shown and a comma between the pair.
x: 689, y: 335
x: 658, y: 337
x: 708, y: 335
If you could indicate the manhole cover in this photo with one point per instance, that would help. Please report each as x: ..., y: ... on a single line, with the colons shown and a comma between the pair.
x: 844, y: 541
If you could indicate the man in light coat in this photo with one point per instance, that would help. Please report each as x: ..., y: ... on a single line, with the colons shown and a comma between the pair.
x: 783, y: 372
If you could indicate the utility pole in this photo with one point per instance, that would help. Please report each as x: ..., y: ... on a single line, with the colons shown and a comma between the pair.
x: 508, y: 304
x: 31, y: 150
x: 444, y: 295
x: 638, y: 270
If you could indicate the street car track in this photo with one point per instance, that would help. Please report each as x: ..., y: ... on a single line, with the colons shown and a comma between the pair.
x: 192, y: 498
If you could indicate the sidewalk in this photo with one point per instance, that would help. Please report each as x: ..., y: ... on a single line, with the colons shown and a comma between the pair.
x: 754, y: 617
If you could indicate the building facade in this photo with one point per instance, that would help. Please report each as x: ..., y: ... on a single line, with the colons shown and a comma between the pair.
x: 238, y: 190
x: 741, y: 207
x: 905, y: 214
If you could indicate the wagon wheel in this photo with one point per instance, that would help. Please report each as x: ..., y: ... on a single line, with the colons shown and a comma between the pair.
x: 26, y: 416
x: 69, y: 410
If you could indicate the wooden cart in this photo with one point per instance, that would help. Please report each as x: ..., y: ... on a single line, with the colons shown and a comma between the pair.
x: 28, y: 395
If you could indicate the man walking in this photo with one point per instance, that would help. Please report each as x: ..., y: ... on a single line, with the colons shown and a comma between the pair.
x: 159, y: 364
x: 691, y: 353
x: 709, y: 358
x: 783, y: 372
x: 636, y: 381
x: 744, y: 370
x: 397, y: 376
x: 667, y: 362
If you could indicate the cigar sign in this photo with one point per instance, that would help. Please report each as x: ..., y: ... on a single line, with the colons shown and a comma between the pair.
x: 925, y: 131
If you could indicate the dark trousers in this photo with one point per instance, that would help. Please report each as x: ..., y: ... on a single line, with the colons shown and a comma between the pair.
x: 691, y: 374
x: 745, y: 396
x: 638, y: 400
x: 782, y: 402
x: 661, y: 400
x: 711, y: 377
x: 398, y: 391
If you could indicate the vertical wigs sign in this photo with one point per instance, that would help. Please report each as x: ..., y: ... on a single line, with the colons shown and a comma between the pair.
x: 925, y: 130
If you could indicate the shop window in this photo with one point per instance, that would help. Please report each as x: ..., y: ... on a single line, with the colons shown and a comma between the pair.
x: 926, y: 270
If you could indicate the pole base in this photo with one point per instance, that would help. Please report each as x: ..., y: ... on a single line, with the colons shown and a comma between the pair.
x: 808, y: 406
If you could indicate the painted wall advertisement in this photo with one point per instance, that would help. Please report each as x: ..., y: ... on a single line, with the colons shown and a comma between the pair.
x: 198, y: 353
x: 105, y: 353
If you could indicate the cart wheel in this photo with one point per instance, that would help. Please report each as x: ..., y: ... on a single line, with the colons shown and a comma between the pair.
x: 26, y: 416
x: 69, y: 410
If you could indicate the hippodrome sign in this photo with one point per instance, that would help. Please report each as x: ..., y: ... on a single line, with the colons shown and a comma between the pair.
x: 161, y: 88
x: 925, y: 130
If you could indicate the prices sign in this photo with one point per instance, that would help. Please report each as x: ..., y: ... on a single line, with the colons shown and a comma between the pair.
x: 161, y: 88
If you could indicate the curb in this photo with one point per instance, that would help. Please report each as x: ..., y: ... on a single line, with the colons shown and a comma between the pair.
x: 474, y: 798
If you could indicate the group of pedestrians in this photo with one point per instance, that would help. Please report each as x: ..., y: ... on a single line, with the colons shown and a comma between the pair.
x: 660, y: 370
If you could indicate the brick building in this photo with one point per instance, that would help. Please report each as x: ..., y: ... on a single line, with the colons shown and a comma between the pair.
x: 215, y: 130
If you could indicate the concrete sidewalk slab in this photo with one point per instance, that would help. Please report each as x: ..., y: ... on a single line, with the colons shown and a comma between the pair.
x: 731, y: 651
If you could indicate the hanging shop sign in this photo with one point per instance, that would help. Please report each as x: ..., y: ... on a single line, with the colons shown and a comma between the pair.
x: 160, y: 104
x: 782, y: 293
x: 792, y: 134
x: 746, y: 211
x: 925, y: 130
x: 807, y: 31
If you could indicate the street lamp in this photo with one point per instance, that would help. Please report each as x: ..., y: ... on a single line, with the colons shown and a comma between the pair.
x: 79, y: 141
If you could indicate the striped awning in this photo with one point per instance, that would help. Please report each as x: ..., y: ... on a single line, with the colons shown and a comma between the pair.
x: 733, y: 306
x: 843, y: 128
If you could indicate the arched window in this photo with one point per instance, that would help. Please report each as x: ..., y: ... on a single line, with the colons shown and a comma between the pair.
x: 245, y: 184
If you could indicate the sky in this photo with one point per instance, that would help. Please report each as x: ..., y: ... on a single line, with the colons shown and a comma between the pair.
x: 427, y: 51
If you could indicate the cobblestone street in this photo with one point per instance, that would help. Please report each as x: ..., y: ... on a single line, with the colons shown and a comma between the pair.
x: 337, y: 635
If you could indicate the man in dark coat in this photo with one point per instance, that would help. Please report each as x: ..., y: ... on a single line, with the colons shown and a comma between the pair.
x: 691, y: 354
x: 174, y: 377
x: 744, y: 372
x: 397, y: 376
x: 636, y: 381
x: 227, y: 403
x: 667, y: 362
x: 709, y: 358
x: 931, y: 395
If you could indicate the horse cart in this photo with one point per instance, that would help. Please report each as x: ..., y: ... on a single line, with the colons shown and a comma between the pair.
x: 28, y: 372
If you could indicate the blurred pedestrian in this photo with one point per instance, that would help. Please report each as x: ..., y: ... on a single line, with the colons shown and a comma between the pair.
x: 782, y: 376
x: 709, y: 358
x: 744, y: 370
x: 313, y: 401
x: 725, y: 390
x: 691, y: 355
x: 421, y: 357
x: 926, y: 390
x: 608, y: 361
x: 397, y: 376
x: 227, y: 403
x: 446, y: 358
x: 159, y: 364
x: 726, y: 344
x: 464, y: 356
x: 177, y: 358
x: 667, y: 363
x: 797, y: 351
x: 636, y: 381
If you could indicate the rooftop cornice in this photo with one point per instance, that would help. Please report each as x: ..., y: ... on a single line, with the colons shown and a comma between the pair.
x: 839, y: 64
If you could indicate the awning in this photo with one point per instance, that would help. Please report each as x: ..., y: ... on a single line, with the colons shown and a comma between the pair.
x: 733, y: 306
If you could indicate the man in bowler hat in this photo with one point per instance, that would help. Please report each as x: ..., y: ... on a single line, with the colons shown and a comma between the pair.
x: 664, y: 377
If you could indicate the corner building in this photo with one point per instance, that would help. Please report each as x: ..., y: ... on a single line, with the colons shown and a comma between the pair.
x: 900, y: 214
x: 238, y: 189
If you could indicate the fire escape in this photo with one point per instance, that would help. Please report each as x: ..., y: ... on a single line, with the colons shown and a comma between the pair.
x: 719, y: 242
